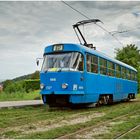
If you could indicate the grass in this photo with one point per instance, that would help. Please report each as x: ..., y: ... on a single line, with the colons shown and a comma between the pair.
x: 19, y: 96
x: 23, y: 122
x: 57, y: 132
x: 135, y: 134
x: 119, y: 128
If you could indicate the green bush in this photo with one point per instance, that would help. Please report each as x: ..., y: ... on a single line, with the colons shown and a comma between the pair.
x: 21, y: 86
x: 13, y: 87
x: 6, y: 83
x: 18, y: 96
x: 31, y: 85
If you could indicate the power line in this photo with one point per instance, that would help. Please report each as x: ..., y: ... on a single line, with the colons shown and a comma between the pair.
x: 119, y: 32
x: 94, y: 23
x: 75, y: 9
x: 109, y: 33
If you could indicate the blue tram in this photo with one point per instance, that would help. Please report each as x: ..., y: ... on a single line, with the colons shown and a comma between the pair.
x: 76, y: 74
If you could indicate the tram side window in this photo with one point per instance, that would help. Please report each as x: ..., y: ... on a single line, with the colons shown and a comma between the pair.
x: 123, y: 72
x: 118, y: 71
x: 111, y: 68
x: 103, y: 66
x: 88, y: 63
x: 81, y: 63
x: 92, y: 63
x: 128, y: 73
x: 133, y: 76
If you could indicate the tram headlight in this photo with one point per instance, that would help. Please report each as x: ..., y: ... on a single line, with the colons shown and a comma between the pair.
x: 64, y: 85
x: 42, y: 86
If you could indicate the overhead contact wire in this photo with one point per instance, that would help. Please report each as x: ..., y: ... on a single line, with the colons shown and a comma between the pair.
x: 94, y: 23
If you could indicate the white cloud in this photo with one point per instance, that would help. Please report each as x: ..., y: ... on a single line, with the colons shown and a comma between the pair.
x: 27, y: 27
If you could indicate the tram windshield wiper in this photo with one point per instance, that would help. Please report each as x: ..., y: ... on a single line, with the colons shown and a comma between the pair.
x: 60, y: 69
x: 45, y: 71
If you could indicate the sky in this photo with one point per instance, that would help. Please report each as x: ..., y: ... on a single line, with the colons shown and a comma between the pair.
x: 26, y: 28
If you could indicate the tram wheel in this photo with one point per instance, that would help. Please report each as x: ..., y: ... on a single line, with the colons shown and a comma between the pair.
x: 105, y: 99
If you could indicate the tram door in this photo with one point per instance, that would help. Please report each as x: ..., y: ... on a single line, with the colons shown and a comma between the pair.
x: 118, y: 90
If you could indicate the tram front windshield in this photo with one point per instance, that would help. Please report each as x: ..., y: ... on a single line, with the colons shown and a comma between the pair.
x: 68, y: 61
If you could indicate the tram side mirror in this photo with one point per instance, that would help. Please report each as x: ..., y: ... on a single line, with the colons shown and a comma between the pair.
x: 37, y: 61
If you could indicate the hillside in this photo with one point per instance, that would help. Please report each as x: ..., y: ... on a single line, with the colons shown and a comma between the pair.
x: 34, y: 75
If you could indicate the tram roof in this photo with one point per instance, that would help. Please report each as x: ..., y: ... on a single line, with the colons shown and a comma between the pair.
x: 81, y: 48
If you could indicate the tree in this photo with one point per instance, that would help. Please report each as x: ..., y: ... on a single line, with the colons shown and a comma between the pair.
x: 131, y: 56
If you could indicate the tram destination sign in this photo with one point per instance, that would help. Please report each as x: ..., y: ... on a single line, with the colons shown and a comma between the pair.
x: 58, y: 47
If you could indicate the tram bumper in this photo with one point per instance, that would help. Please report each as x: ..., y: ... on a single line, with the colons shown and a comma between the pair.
x: 63, y: 99
x: 61, y: 92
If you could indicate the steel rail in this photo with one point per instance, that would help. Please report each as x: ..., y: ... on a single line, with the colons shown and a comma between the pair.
x: 126, y: 132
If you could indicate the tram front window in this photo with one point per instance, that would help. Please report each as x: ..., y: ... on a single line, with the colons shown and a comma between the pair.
x: 69, y: 61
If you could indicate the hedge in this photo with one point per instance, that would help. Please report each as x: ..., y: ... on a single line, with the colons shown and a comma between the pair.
x: 31, y: 85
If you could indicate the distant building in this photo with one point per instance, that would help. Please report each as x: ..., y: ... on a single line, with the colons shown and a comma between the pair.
x: 1, y: 87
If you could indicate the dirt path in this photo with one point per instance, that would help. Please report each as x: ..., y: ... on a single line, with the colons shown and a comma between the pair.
x: 7, y: 104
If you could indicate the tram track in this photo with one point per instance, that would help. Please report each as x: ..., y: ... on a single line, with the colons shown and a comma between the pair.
x: 71, y: 135
x: 127, y: 132
x: 101, y: 122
